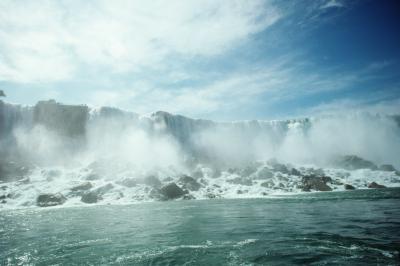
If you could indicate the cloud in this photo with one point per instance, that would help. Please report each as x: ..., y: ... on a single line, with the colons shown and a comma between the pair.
x: 332, y: 3
x: 47, y: 41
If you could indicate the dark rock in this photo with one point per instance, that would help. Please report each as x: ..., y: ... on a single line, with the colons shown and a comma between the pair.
x: 172, y: 191
x: 295, y: 172
x: 47, y: 200
x: 188, y: 197
x: 3, y: 201
x: 189, y: 183
x: 375, y: 185
x: 349, y: 187
x: 128, y: 182
x: 152, y: 181
x: 82, y: 187
x: 315, y: 183
x: 211, y: 195
x: 91, y: 197
x: 268, y: 184
x: 197, y: 174
x: 277, y: 167
x: 387, y: 167
x: 352, y: 162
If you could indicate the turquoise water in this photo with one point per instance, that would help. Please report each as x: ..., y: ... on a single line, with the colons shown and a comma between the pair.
x: 335, y: 228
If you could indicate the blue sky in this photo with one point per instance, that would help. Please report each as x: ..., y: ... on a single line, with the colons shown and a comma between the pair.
x: 222, y: 60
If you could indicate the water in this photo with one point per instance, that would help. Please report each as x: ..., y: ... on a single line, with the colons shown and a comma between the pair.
x: 335, y: 228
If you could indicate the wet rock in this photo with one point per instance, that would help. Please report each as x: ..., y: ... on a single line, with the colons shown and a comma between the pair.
x: 104, y: 189
x: 13, y: 170
x: 387, y: 167
x: 128, y: 182
x: 349, y: 187
x: 211, y: 195
x: 353, y: 162
x: 265, y: 173
x: 318, y: 183
x: 375, y: 185
x: 240, y: 181
x: 188, y: 197
x: 4, y: 196
x: 91, y: 197
x: 152, y: 181
x: 172, y: 191
x: 82, y: 187
x: 268, y: 184
x: 189, y: 183
x: 47, y: 200
x: 197, y: 174
x: 239, y: 191
x: 295, y: 172
x: 277, y: 167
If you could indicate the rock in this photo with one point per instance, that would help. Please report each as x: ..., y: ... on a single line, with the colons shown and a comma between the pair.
x: 4, y: 196
x: 265, y: 173
x: 171, y: 191
x: 198, y: 174
x: 387, y: 167
x: 12, y: 170
x: 188, y: 197
x: 315, y: 183
x: 268, y: 184
x: 152, y: 181
x: 104, y: 189
x: 375, y: 185
x: 47, y: 200
x: 247, y: 171
x: 211, y: 196
x: 96, y: 194
x: 295, y: 172
x: 353, y: 162
x: 189, y: 183
x: 349, y: 187
x: 128, y: 182
x: 241, y: 181
x: 277, y: 167
x: 91, y: 197
x: 82, y: 187
x: 2, y: 94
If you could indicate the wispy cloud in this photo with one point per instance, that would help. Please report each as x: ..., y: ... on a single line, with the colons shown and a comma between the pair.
x: 45, y: 41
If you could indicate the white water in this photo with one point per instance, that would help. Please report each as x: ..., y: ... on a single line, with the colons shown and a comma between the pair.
x: 116, y: 145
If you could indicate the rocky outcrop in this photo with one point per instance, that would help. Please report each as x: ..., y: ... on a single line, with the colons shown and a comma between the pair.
x: 317, y: 183
x: 375, y: 185
x: 353, y: 162
x: 48, y: 200
x: 172, y: 191
x: 349, y: 187
x: 189, y: 183
x: 96, y: 194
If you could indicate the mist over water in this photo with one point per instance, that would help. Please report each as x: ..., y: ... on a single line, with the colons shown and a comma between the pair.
x: 125, y: 156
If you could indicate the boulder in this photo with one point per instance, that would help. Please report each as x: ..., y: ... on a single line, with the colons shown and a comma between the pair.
x: 172, y: 191
x: 91, y: 197
x: 375, y: 185
x: 82, y: 187
x: 387, y: 167
x: 47, y: 200
x: 188, y: 197
x: 295, y: 172
x: 189, y: 183
x: 349, y: 187
x: 96, y: 194
x: 353, y: 162
x: 313, y: 182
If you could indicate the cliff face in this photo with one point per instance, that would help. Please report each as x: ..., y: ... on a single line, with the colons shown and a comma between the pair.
x: 67, y: 120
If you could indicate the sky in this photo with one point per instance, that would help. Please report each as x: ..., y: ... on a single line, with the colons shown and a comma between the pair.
x: 214, y: 59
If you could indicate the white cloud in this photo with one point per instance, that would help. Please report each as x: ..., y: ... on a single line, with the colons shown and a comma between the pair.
x: 332, y: 3
x: 45, y: 41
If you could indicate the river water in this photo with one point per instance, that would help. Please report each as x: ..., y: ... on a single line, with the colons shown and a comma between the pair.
x: 359, y: 227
